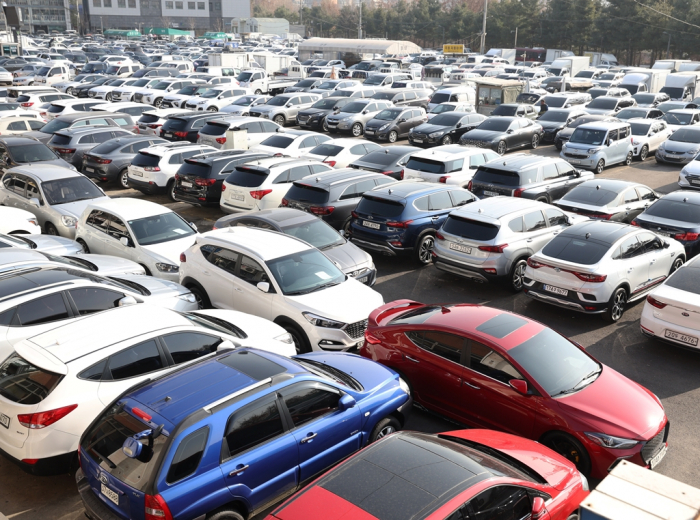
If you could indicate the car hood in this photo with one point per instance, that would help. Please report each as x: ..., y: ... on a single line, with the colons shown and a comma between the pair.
x: 103, y: 88
x: 343, y: 115
x: 378, y: 123
x: 348, y: 302
x: 55, y: 162
x: 312, y: 111
x: 76, y: 208
x: 158, y: 287
x: 551, y: 125
x: 600, y: 111
x: 427, y: 128
x: 264, y: 109
x: 348, y: 255
x: 108, y: 265
x: 55, y: 245
x: 170, y: 251
x: 614, y: 405
x: 671, y: 146
x: 564, y: 132
x: 483, y: 135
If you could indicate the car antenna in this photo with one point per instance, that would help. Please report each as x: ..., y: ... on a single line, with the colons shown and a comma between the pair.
x: 445, y: 310
x: 588, y: 235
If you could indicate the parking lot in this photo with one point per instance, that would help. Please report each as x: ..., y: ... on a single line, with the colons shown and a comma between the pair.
x: 671, y: 373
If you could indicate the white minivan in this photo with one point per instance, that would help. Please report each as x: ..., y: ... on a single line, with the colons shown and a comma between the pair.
x: 459, y: 94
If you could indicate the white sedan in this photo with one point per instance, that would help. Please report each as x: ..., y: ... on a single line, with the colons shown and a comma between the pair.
x: 105, y: 91
x: 672, y: 312
x: 126, y: 92
x: 242, y: 106
x: 292, y: 143
x: 339, y: 153
x: 15, y: 221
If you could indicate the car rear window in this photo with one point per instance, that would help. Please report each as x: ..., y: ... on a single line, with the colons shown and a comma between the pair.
x: 59, y: 139
x: 148, y: 118
x: 56, y: 109
x: 278, y: 141
x: 440, y: 97
x: 214, y: 128
x: 174, y: 124
x: 247, y: 177
x: 502, y: 177
x: 23, y: 98
x: 576, y: 250
x: 327, y: 150
x: 379, y: 158
x: 470, y: 229
x: 145, y: 159
x: 24, y: 383
x: 686, y: 279
x: 196, y: 168
x: 426, y: 165
x: 590, y: 195
x: 675, y: 210
x: 378, y: 206
x: 305, y: 193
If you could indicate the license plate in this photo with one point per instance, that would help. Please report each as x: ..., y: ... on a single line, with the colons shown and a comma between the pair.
x: 461, y: 249
x: 663, y: 233
x: 236, y: 196
x: 555, y: 290
x: 4, y: 420
x: 695, y: 182
x: 372, y: 225
x: 683, y: 338
x: 137, y: 174
x: 658, y: 458
x: 574, y: 161
x: 369, y: 131
x: 491, y: 193
x: 111, y: 495
x: 167, y: 134
x: 89, y: 169
x: 186, y: 184
x: 418, y: 140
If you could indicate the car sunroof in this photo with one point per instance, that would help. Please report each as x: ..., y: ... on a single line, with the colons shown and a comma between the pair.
x: 501, y: 325
x: 252, y: 365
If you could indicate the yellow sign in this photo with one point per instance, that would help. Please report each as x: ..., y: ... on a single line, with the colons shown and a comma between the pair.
x: 453, y: 49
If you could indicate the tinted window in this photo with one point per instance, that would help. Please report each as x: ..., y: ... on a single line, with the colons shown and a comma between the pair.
x: 471, y: 229
x: 549, y: 171
x: 94, y: 373
x: 308, y: 404
x: 89, y: 299
x: 305, y: 193
x: 556, y: 217
x: 593, y: 195
x: 220, y: 257
x: 251, y: 271
x: 674, y: 210
x: 686, y: 279
x: 501, y: 503
x: 576, y: 250
x: 188, y: 455
x: 492, y: 176
x: 516, y: 225
x: 426, y: 165
x: 21, y: 382
x: 447, y: 346
x: 440, y: 201
x: 247, y: 177
x: 534, y: 221
x: 488, y: 362
x: 188, y: 346
x: 377, y: 206
x: 252, y: 427
x: 135, y: 361
x: 43, y: 310
x: 460, y: 198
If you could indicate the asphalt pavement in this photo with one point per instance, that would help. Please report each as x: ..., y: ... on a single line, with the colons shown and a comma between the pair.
x: 671, y: 373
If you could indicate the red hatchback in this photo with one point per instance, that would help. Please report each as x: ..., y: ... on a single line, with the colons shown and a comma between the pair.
x: 460, y: 475
x: 490, y: 368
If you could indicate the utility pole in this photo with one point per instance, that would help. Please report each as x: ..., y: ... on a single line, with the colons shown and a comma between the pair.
x: 102, y: 27
x: 668, y: 47
x: 515, y: 45
x: 301, y: 6
x: 483, y: 28
x: 359, y: 25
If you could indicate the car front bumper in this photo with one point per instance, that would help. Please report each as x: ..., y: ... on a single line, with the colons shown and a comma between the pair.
x: 675, y: 158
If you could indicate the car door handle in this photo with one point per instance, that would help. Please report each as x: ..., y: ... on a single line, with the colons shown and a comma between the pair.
x: 653, y: 261
x: 238, y: 471
x: 237, y: 289
x: 529, y: 240
x: 411, y: 359
x: 309, y: 437
x: 205, y: 272
x: 471, y: 385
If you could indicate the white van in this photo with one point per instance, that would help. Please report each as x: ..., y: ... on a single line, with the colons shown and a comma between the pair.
x: 219, y: 71
x: 457, y: 94
x: 52, y: 73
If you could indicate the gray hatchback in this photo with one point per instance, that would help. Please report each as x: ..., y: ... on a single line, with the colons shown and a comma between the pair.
x: 71, y: 144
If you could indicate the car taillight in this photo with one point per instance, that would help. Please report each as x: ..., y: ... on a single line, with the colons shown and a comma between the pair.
x: 154, y: 126
x: 223, y: 187
x: 372, y: 340
x: 65, y: 150
x: 604, y: 217
x: 493, y: 249
x: 183, y: 257
x: 656, y: 303
x: 518, y: 192
x: 399, y: 224
x: 329, y: 163
x: 469, y: 186
x: 259, y: 194
x: 634, y: 223
x: 26, y: 104
x: 156, y: 508
x: 180, y: 134
x: 686, y: 236
x: 321, y: 210
x: 285, y: 203
x: 401, y: 174
x: 205, y: 182
x: 221, y: 140
x: 99, y: 160
x: 587, y: 277
x: 39, y: 420
x: 152, y: 168
x: 354, y: 215
x: 443, y: 179
x: 387, y: 172
x: 534, y: 263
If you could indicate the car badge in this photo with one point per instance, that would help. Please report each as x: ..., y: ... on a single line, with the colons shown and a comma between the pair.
x: 685, y: 314
x: 103, y: 478
x: 369, y: 217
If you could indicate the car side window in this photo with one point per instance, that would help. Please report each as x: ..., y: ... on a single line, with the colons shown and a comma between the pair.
x: 309, y: 403
x: 35, y: 125
x: 99, y: 220
x: 136, y: 361
x: 117, y: 229
x: 298, y: 172
x: 33, y: 189
x: 188, y: 346
x: 645, y: 193
x: 501, y: 503
x: 42, y: 310
x: 565, y: 169
x: 17, y: 125
x: 488, y: 362
x: 188, y: 455
x: 268, y: 126
x: 624, y: 132
x: 176, y: 158
x: 253, y: 426
x: 443, y: 344
x: 222, y: 258
x: 612, y: 135
x: 98, y: 122
x: 649, y: 241
x: 534, y: 221
x: 102, y: 137
x: 318, y: 168
x: 358, y: 149
x: 89, y: 300
x: 476, y: 160
x: 17, y: 184
x: 516, y: 225
x: 440, y: 201
x: 460, y: 198
x: 630, y: 248
x: 556, y: 218
x: 251, y: 271
x: 630, y: 196
x: 550, y: 171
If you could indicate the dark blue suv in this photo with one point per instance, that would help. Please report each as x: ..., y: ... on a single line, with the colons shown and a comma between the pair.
x: 404, y: 217
x: 227, y: 437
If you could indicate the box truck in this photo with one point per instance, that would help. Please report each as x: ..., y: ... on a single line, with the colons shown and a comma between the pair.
x: 568, y: 66
x: 647, y: 81
x: 681, y: 86
x: 669, y: 65
x: 506, y: 54
x: 599, y: 59
x: 555, y: 54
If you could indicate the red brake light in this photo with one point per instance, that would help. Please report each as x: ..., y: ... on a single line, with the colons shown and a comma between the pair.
x: 399, y: 224
x: 259, y: 194
x: 37, y: 421
x: 443, y: 179
x: 321, y: 210
x: 154, y: 126
x: 141, y: 414
x: 204, y: 182
x: 220, y: 140
x: 65, y: 150
x: 634, y: 223
x: 439, y: 236
x: 329, y: 163
x: 285, y: 203
x: 183, y: 257
x: 26, y: 104
x: 656, y: 303
x: 518, y: 192
x: 534, y: 263
x: 354, y: 214
x: 586, y: 277
x: 179, y: 134
x: 469, y: 186
x: 604, y: 217
x: 372, y: 340
x: 493, y: 249
x: 388, y: 172
x: 686, y: 236
x: 152, y: 168
x: 156, y: 508
x: 223, y: 187
x: 401, y: 174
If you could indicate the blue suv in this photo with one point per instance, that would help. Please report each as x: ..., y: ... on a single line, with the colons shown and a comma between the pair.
x: 227, y: 437
x: 404, y: 217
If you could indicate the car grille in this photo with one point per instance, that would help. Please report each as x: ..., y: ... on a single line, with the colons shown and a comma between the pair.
x: 576, y: 156
x: 254, y: 114
x: 356, y: 330
x: 416, y: 135
x: 473, y: 142
x: 167, y: 104
x: 303, y: 118
x: 672, y: 152
x: 653, y: 446
x: 191, y: 105
x: 138, y: 97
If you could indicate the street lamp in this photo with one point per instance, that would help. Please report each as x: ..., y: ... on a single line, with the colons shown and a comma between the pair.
x: 668, y: 46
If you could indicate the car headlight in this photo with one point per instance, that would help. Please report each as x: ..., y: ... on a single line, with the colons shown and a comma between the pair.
x: 693, y: 152
x: 404, y: 386
x: 320, y: 321
x: 68, y: 221
x: 285, y: 338
x: 436, y: 134
x: 384, y: 127
x: 33, y: 221
x: 167, y: 268
x: 188, y: 297
x: 346, y: 119
x: 684, y: 172
x: 594, y: 150
x: 608, y: 441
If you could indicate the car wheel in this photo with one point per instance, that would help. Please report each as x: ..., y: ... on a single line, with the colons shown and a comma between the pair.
x: 393, y: 137
x: 644, y: 153
x: 357, y: 129
x: 502, y: 148
x: 71, y: 91
x: 85, y: 247
x: 324, y: 125
x: 279, y: 119
x: 301, y: 342
x: 446, y: 140
x: 158, y: 102
x: 226, y: 514
x: 424, y: 249
x: 558, y: 145
x: 517, y: 275
x: 385, y: 427
x: 677, y: 263
x: 212, y: 109
x: 628, y: 159
x: 571, y: 449
x: 50, y: 229
x: 108, y: 97
x: 535, y: 141
x: 124, y: 178
x: 201, y: 296
x: 346, y: 226
x: 616, y: 305
x: 171, y: 190
x: 600, y: 166
x: 258, y: 92
x: 573, y: 516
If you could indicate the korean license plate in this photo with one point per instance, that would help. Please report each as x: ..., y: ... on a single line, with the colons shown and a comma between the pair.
x: 236, y: 196
x: 461, y: 249
x: 418, y: 140
x: 369, y: 131
x: 168, y: 134
x: 664, y: 233
x: 89, y: 169
x: 137, y: 173
x: 683, y: 338
x: 574, y: 161
x: 111, y: 495
x: 697, y: 183
x: 4, y: 420
x: 491, y: 193
x: 555, y: 290
x: 658, y: 458
x: 372, y: 225
x: 186, y: 184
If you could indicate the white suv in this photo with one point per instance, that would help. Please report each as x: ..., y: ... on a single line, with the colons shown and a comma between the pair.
x: 154, y: 95
x: 283, y: 279
x: 263, y: 184
x: 126, y: 92
x: 153, y: 169
x: 216, y: 98
x: 447, y: 164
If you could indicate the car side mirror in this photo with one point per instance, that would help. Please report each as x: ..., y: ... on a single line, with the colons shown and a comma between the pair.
x: 519, y: 386
x: 509, y: 131
x: 459, y: 125
x: 346, y: 402
x: 538, y: 507
x: 666, y: 245
x: 126, y: 242
x: 365, y: 111
x: 403, y: 120
x: 288, y: 105
x: 608, y: 142
x: 193, y: 225
x: 127, y: 301
x: 35, y: 202
x: 264, y: 286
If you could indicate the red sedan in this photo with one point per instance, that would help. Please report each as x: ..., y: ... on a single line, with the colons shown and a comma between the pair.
x: 460, y: 475
x: 490, y: 368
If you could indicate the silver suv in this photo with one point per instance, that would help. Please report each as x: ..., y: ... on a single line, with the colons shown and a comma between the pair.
x: 355, y: 115
x: 284, y: 107
x: 491, y: 239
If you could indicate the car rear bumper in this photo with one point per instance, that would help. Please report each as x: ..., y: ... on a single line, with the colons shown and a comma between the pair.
x: 473, y: 273
x: 150, y: 188
x: 48, y: 466
x: 656, y: 328
x: 103, y: 174
x: 191, y: 198
x: 589, y: 308
x: 381, y: 247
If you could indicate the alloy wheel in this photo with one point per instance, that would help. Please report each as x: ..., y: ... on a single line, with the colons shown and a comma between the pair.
x: 387, y: 430
x: 518, y: 276
x: 357, y: 130
x: 426, y: 249
x: 618, y: 304
x: 644, y: 153
x: 535, y: 141
x: 501, y: 148
x: 393, y: 136
x: 676, y: 265
x: 600, y: 166
x: 628, y: 159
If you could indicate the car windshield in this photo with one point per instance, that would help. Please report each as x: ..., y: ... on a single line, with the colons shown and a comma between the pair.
x: 670, y: 105
x: 581, y: 121
x: 325, y: 104
x: 354, y: 107
x: 555, y: 363
x: 245, y: 101
x: 277, y: 101
x: 629, y: 113
x: 30, y: 153
x: 305, y: 83
x: 504, y: 110
x: 161, y: 228
x: 439, y: 109
x: 389, y: 114
x: 162, y: 85
x: 557, y: 102
x: 588, y: 136
x: 603, y: 103
x: 446, y: 119
x: 607, y: 77
x: 494, y: 125
x: 140, y: 83
x: 686, y: 135
x: 677, y: 119
x: 327, y: 85
x: 554, y: 116
x: 70, y: 189
x: 305, y: 272
x: 585, y: 74
x: 317, y: 233
x: 675, y: 210
x: 24, y: 383
x: 591, y: 195
x: 645, y: 99
x: 211, y: 93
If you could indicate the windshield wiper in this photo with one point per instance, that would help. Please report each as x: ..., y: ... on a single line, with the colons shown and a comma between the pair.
x: 577, y: 386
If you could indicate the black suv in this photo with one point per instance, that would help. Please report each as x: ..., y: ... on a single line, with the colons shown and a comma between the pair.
x: 314, y: 117
x: 528, y: 176
x: 186, y: 127
x: 333, y: 196
x: 198, y: 181
x: 81, y: 91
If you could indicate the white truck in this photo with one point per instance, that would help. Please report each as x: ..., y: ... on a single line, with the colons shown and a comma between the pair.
x: 599, y: 59
x: 238, y: 60
x: 506, y: 54
x: 555, y: 54
x: 272, y: 62
x: 647, y: 81
x: 689, y: 66
x: 669, y: 65
x: 260, y: 82
x: 681, y: 86
x: 569, y: 66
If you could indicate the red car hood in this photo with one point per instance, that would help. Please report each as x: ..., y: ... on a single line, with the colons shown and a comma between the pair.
x: 614, y: 405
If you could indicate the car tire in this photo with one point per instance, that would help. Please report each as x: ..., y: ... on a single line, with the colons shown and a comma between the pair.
x: 535, y: 141
x: 392, y: 137
x: 628, y: 159
x: 446, y: 140
x: 616, y: 305
x: 599, y: 167
x: 158, y: 102
x: 502, y: 148
x: 123, y: 179
x: 280, y: 120
x: 569, y: 448
x: 212, y: 109
x: 517, y: 275
x: 258, y: 92
x: 559, y: 146
x: 108, y: 97
x: 85, y: 247
x: 324, y: 125
x: 200, y: 295
x: 644, y: 153
x: 424, y: 248
x: 357, y: 130
x: 50, y: 229
x: 225, y: 514
x: 677, y: 263
x: 301, y: 341
x: 385, y: 427
x: 170, y: 187
x: 71, y: 92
